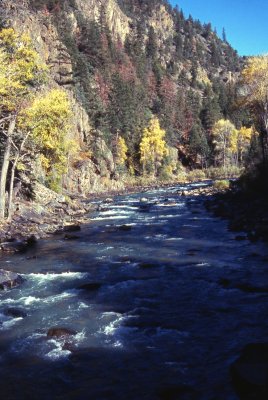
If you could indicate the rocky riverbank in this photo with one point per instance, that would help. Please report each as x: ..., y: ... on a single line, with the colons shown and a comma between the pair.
x: 246, y: 212
x: 47, y: 214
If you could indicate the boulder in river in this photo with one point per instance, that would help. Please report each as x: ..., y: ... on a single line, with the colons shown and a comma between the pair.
x: 108, y: 200
x: 125, y: 228
x: 9, y: 279
x: 57, y: 332
x: 249, y: 372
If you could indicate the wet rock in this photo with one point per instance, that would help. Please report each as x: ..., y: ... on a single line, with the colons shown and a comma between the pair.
x: 13, y: 247
x: 15, y: 312
x: 100, y: 208
x: 69, y: 228
x: 57, y: 332
x: 91, y: 287
x: 126, y: 259
x: 9, y: 279
x: 108, y: 200
x: 32, y: 240
x: 249, y: 372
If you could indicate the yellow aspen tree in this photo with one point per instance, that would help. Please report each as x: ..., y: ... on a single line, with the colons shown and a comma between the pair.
x: 21, y: 71
x: 224, y: 139
x: 47, y: 120
x: 122, y: 150
x: 153, y: 147
x: 244, y: 136
x: 255, y: 94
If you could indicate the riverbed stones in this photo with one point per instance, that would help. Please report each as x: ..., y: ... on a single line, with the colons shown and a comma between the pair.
x: 249, y: 372
x: 9, y: 279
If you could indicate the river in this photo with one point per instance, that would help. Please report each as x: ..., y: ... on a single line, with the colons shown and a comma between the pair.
x: 154, y: 296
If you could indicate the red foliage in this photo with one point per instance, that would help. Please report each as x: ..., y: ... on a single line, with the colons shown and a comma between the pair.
x: 151, y: 86
x: 127, y: 70
x: 168, y: 90
x: 102, y: 88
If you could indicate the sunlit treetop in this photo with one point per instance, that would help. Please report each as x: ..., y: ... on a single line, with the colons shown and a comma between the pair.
x: 255, y: 77
x: 21, y: 69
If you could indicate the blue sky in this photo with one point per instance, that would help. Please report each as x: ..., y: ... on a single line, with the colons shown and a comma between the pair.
x: 245, y: 21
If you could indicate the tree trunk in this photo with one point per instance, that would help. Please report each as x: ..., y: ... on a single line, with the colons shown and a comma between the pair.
x: 11, y: 186
x: 5, y: 165
x: 12, y: 177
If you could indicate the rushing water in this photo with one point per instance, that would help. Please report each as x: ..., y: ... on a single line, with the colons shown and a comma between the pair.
x: 165, y: 319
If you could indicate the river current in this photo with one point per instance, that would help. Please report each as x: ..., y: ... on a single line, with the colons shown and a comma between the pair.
x: 153, y: 292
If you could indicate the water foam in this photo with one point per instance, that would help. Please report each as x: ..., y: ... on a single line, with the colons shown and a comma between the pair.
x: 30, y: 300
x: 10, y: 323
x: 109, y: 217
x: 53, y: 276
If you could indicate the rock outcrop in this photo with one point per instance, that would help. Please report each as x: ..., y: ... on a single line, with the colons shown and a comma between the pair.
x: 9, y: 279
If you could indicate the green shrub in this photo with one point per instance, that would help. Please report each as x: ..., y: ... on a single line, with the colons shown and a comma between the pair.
x: 221, y: 173
x: 196, y: 175
x: 221, y: 185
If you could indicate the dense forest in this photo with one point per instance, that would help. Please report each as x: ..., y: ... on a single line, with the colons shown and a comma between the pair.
x: 164, y: 92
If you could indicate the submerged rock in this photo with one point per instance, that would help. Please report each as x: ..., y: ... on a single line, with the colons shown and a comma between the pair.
x: 13, y: 247
x: 92, y: 286
x: 177, y: 392
x: 146, y: 265
x: 9, y: 279
x: 68, y: 236
x: 15, y: 312
x: 145, y: 207
x: 125, y: 228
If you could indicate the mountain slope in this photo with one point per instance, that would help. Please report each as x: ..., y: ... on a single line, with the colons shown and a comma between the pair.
x: 122, y: 62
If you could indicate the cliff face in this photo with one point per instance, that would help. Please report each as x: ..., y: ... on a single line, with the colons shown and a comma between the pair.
x: 119, y: 62
x: 85, y: 175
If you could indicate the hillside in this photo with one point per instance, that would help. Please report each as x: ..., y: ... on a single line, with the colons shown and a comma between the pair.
x: 122, y: 62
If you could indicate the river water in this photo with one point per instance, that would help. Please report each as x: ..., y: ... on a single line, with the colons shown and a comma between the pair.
x: 165, y: 318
